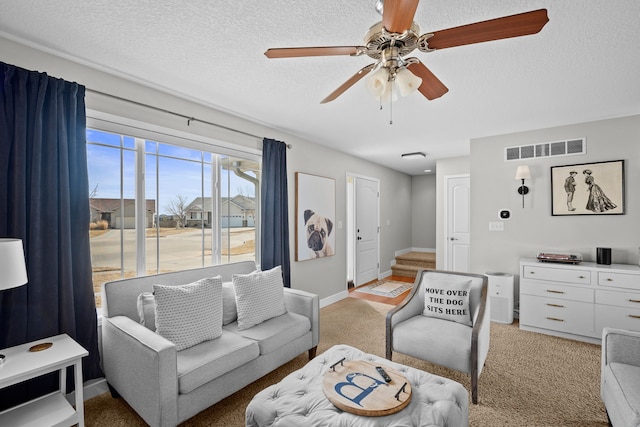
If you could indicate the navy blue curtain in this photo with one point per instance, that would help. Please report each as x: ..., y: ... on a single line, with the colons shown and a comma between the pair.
x: 274, y: 208
x: 44, y: 200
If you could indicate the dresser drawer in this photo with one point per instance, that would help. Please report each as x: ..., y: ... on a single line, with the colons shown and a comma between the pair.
x: 557, y: 314
x: 619, y: 280
x: 617, y: 317
x: 553, y: 290
x: 620, y: 299
x: 582, y: 277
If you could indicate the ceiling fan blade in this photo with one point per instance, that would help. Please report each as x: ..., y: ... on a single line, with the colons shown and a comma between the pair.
x: 495, y: 29
x: 431, y: 87
x: 295, y: 52
x: 346, y: 85
x: 397, y: 15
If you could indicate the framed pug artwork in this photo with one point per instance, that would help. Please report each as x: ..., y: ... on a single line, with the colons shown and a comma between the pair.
x: 315, y: 216
x: 588, y: 189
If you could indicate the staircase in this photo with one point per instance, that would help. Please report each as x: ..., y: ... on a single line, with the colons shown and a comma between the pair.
x: 408, y: 264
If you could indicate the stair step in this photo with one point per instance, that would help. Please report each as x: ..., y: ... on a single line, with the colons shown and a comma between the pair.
x: 417, y: 256
x: 408, y: 264
x: 407, y: 270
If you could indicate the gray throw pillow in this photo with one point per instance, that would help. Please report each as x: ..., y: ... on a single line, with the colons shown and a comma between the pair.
x: 189, y: 314
x: 447, y: 298
x: 229, y: 311
x: 259, y: 297
x: 147, y: 310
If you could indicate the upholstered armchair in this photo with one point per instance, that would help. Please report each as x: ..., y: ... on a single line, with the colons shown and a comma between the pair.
x: 445, y: 321
x: 620, y: 376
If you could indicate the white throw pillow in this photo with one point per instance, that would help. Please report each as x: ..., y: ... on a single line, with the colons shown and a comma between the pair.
x: 147, y: 307
x: 259, y: 296
x: 447, y: 298
x: 189, y: 314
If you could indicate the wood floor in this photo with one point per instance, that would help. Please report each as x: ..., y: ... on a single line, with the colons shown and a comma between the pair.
x: 353, y: 293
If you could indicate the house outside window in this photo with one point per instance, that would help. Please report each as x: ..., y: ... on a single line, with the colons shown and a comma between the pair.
x: 158, y: 207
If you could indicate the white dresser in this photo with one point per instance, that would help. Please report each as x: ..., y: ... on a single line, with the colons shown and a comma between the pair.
x: 577, y: 301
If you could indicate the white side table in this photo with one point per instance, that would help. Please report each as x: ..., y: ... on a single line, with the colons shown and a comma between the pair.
x: 52, y: 409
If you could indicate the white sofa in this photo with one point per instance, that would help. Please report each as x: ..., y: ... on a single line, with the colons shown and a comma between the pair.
x: 620, y: 377
x: 166, y: 387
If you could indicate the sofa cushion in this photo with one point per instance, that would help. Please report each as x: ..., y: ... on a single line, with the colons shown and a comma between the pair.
x: 447, y: 298
x: 621, y: 392
x: 259, y: 296
x: 275, y: 332
x: 208, y: 360
x: 189, y: 314
x: 420, y: 333
x: 229, y: 310
x: 147, y: 310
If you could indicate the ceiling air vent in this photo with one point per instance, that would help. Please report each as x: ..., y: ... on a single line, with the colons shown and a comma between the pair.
x: 546, y: 149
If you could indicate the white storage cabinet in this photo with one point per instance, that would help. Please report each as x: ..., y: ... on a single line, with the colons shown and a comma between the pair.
x: 577, y: 301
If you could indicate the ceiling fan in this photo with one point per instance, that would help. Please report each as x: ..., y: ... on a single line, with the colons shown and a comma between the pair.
x: 397, y: 35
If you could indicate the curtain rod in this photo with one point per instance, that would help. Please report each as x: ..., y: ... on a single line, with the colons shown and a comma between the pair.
x: 189, y: 118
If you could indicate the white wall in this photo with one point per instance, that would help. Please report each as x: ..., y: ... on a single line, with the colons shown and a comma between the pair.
x: 533, y: 229
x: 326, y: 277
x: 423, y: 211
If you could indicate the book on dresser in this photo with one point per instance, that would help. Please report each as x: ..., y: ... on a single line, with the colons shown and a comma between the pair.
x: 578, y: 300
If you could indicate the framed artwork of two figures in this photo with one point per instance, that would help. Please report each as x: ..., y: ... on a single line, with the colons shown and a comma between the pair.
x: 588, y: 189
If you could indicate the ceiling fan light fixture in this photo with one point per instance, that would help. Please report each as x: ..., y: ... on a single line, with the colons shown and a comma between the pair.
x: 378, y: 82
x: 407, y: 82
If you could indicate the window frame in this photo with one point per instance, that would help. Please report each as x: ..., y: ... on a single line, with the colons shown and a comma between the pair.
x: 146, y: 131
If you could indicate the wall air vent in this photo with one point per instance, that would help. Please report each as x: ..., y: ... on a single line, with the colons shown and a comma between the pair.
x: 546, y: 149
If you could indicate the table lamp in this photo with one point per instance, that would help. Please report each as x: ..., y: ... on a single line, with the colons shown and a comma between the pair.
x: 13, y: 270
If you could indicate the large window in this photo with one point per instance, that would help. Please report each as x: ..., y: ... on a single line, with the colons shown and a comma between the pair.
x: 158, y: 207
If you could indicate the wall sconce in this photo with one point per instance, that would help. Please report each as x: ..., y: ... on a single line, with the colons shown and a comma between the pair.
x: 523, y: 173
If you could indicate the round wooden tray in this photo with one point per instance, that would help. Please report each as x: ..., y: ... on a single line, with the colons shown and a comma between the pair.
x: 356, y: 387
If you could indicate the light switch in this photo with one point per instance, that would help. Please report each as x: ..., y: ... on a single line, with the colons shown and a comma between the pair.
x: 339, y: 224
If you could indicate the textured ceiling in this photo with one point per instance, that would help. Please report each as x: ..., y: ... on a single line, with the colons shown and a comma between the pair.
x: 582, y: 66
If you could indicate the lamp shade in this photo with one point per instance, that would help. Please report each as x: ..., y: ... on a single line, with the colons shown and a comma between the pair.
x: 378, y: 81
x: 13, y: 271
x: 523, y: 172
x: 407, y: 81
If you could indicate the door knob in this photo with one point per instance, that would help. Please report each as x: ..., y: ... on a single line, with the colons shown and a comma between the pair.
x: 452, y: 238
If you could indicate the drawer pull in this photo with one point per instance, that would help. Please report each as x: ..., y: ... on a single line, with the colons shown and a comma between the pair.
x: 581, y: 277
x: 634, y: 300
x: 555, y: 305
x: 555, y: 292
x: 634, y: 316
x: 555, y: 319
x: 609, y: 279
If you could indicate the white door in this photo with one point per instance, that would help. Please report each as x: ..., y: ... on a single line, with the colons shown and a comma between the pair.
x: 367, y: 230
x: 458, y: 223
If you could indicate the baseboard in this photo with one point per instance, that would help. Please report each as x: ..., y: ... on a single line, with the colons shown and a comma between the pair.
x: 412, y: 249
x: 92, y: 388
x: 385, y: 274
x: 334, y: 298
x: 423, y: 249
x: 403, y: 251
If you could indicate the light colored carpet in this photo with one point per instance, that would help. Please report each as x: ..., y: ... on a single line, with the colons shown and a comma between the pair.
x: 385, y: 288
x: 529, y: 379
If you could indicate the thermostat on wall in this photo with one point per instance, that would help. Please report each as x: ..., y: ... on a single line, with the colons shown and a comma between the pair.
x: 504, y: 214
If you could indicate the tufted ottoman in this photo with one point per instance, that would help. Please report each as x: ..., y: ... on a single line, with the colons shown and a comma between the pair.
x: 298, y: 400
